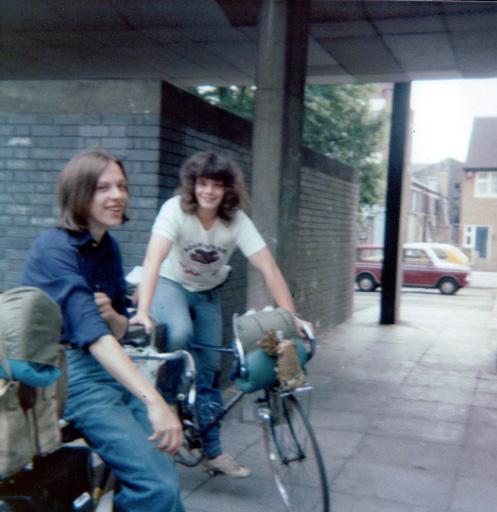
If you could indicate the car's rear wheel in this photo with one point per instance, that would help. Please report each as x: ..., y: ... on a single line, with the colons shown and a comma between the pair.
x: 448, y: 286
x: 366, y: 283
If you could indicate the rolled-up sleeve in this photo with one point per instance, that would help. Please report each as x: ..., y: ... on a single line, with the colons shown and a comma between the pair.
x: 56, y: 270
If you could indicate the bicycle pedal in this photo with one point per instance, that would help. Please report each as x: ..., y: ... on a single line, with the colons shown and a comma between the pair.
x: 84, y: 503
x: 263, y: 413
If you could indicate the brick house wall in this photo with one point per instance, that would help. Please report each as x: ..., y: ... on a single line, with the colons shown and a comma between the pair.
x: 154, y: 127
x: 478, y: 212
x: 478, y: 218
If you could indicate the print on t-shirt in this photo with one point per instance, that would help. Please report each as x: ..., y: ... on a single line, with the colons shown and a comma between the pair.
x: 202, y: 257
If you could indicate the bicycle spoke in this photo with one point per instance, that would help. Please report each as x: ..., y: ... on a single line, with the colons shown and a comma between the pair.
x: 294, y: 457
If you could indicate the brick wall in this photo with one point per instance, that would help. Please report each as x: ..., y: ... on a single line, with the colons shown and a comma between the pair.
x: 327, y: 231
x: 154, y: 136
x: 189, y: 125
x: 478, y: 211
x: 33, y: 150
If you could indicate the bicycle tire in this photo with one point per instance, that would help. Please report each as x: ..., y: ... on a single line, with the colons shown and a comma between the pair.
x: 294, y: 455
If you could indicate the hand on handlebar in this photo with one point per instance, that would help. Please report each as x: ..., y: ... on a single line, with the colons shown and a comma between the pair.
x: 142, y: 318
x: 167, y: 428
x: 299, y: 323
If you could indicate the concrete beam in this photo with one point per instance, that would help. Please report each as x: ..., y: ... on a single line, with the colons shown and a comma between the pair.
x: 277, y: 132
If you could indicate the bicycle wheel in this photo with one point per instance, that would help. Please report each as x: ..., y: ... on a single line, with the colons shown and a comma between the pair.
x: 294, y: 455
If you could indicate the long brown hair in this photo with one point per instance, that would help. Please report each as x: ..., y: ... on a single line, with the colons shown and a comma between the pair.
x: 211, y: 165
x: 77, y: 184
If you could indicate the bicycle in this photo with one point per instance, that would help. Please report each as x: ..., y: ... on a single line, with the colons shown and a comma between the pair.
x: 293, y: 452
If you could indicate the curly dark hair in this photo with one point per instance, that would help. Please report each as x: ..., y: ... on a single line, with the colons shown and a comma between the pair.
x: 214, y: 166
x: 77, y: 184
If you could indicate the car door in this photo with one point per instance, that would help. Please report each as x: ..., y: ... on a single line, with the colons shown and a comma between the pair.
x: 418, y: 268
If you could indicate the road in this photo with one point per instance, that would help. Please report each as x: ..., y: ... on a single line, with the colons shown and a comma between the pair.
x: 410, y: 297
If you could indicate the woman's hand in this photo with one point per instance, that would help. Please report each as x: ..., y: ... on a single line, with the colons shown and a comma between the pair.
x: 264, y: 262
x: 167, y: 428
x: 142, y: 318
x: 299, y: 322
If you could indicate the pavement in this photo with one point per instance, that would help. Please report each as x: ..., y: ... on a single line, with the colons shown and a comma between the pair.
x: 406, y: 415
x: 483, y: 279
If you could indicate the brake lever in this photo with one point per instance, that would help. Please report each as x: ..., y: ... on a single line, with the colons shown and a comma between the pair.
x: 310, y: 336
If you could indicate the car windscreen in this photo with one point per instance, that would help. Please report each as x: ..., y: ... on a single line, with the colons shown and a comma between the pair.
x: 370, y: 254
x: 441, y: 254
x: 415, y: 256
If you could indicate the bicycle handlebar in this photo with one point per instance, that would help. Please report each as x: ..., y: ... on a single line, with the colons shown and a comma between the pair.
x: 187, y: 387
x: 135, y: 337
x: 312, y: 340
x: 169, y: 356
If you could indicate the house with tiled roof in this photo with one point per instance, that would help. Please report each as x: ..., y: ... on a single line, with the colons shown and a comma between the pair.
x: 478, y: 215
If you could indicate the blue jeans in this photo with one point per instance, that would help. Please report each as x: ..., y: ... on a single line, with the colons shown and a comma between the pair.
x: 115, y: 425
x: 194, y: 318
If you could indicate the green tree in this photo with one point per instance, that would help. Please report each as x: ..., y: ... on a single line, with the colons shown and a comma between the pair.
x: 339, y: 121
x: 239, y: 100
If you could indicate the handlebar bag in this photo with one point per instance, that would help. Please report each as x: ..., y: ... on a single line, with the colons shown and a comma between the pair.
x: 261, y: 367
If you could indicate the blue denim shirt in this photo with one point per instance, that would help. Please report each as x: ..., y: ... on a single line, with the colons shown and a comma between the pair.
x: 71, y: 267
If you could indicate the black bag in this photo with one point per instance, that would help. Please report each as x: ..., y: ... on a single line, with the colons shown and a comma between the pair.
x: 53, y: 483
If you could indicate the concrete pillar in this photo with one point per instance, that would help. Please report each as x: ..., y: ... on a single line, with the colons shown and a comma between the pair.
x: 392, y: 261
x: 277, y: 133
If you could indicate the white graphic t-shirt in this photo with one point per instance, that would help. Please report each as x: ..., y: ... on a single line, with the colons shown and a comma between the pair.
x: 198, y: 259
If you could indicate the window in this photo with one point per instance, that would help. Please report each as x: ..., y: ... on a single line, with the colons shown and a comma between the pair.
x: 370, y: 253
x: 486, y: 184
x: 469, y: 237
x: 415, y: 256
x: 441, y: 254
x: 433, y: 184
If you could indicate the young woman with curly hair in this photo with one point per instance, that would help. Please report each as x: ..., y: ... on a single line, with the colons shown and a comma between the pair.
x: 186, y: 262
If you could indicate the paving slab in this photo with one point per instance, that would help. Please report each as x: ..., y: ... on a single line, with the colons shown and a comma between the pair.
x: 406, y: 415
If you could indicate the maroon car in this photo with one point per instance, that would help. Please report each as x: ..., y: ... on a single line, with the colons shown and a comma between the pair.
x: 422, y: 265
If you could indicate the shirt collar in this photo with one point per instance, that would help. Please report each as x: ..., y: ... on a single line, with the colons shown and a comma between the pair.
x: 80, y: 239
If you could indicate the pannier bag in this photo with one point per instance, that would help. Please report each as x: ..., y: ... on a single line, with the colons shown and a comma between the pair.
x: 31, y: 364
x: 261, y: 368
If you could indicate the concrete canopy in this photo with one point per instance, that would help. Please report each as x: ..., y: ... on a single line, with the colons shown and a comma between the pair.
x: 199, y: 42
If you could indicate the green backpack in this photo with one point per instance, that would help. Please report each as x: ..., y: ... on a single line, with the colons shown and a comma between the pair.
x: 260, y: 368
x: 32, y: 394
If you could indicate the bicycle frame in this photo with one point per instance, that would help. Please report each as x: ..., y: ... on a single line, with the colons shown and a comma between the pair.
x: 236, y: 350
x: 293, y: 453
x: 188, y: 394
x: 222, y: 413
